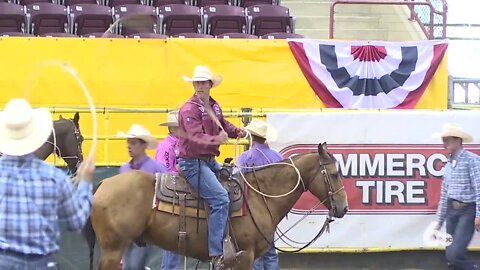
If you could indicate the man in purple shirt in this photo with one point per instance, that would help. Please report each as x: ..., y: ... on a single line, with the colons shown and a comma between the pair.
x: 138, y: 141
x: 260, y: 155
x: 203, y: 129
x: 166, y: 153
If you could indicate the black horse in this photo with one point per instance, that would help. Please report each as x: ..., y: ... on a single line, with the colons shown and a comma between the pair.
x: 66, y: 141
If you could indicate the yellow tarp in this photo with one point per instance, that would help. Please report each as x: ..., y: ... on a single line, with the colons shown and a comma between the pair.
x: 133, y: 73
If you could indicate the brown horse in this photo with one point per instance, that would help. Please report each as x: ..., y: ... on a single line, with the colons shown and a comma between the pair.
x: 122, y: 210
x: 68, y: 140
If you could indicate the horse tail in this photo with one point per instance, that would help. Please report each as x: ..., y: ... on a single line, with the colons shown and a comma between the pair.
x: 89, y: 234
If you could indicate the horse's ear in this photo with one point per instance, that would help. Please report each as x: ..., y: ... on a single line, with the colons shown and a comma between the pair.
x: 322, y: 148
x: 60, y: 117
x: 76, y: 118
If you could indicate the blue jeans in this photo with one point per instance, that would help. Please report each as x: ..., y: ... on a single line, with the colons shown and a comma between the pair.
x: 461, y: 226
x: 201, y: 175
x: 269, y: 261
x: 135, y: 257
x: 11, y: 261
x: 170, y: 261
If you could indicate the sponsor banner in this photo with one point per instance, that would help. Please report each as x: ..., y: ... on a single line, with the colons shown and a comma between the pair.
x: 391, y: 166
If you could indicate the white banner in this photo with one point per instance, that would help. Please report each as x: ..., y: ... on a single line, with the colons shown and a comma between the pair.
x: 392, y: 170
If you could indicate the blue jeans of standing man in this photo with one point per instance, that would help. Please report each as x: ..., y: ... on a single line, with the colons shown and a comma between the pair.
x: 269, y: 261
x: 135, y: 257
x: 17, y: 261
x: 461, y: 226
x: 200, y: 174
x: 170, y: 261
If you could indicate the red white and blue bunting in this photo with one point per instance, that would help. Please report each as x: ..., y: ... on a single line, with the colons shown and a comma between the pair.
x: 368, y: 74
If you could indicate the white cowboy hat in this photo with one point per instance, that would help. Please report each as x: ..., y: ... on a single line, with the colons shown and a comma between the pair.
x: 140, y: 132
x: 454, y: 130
x: 172, y: 119
x: 203, y: 73
x: 261, y: 129
x: 23, y: 129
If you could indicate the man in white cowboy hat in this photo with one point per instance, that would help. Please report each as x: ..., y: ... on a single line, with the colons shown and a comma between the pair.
x: 139, y: 140
x: 167, y: 153
x: 204, y: 129
x: 459, y: 202
x: 260, y: 154
x: 35, y: 197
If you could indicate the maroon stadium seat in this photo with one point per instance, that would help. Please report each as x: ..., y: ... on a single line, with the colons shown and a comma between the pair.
x: 193, y: 35
x: 248, y: 3
x: 221, y: 19
x: 203, y: 3
x: 148, y: 35
x: 78, y: 2
x: 29, y: 2
x: 265, y: 19
x: 58, y: 35
x: 16, y: 34
x: 47, y: 18
x: 136, y: 19
x: 104, y: 35
x: 12, y: 18
x: 159, y: 3
x: 114, y: 3
x: 236, y: 35
x: 176, y: 19
x: 281, y: 35
x: 89, y: 18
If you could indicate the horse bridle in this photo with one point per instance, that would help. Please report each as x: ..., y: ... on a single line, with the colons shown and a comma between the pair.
x: 78, y: 142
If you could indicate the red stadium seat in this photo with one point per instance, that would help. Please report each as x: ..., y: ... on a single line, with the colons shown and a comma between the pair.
x: 16, y: 34
x: 248, y: 3
x: 281, y: 35
x: 265, y: 19
x: 114, y: 3
x: 104, y: 35
x: 47, y: 18
x: 29, y: 2
x: 78, y: 2
x: 58, y: 35
x: 89, y: 18
x: 204, y: 3
x: 193, y: 35
x: 148, y: 35
x: 176, y: 19
x: 237, y: 35
x: 136, y: 19
x: 12, y: 18
x: 159, y: 3
x: 219, y: 19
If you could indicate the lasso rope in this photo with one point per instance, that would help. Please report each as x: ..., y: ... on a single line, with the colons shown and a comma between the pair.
x: 74, y: 74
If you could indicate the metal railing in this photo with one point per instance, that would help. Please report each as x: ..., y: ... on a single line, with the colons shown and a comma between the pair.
x: 427, y: 23
x: 422, y: 15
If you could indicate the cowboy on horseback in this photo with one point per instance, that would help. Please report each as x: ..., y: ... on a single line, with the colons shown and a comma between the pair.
x: 204, y: 129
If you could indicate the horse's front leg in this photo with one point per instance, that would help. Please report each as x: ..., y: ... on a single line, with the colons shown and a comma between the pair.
x: 246, y: 262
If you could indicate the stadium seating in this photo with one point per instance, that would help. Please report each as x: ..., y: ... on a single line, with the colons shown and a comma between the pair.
x: 46, y: 18
x: 176, y: 19
x: 219, y: 19
x: 281, y: 35
x: 16, y: 34
x: 264, y: 19
x: 236, y: 35
x: 148, y: 35
x: 136, y: 19
x: 89, y: 18
x: 248, y: 3
x: 193, y: 35
x: 12, y: 18
x: 159, y: 3
x: 156, y: 17
x: 204, y: 3
x: 58, y: 35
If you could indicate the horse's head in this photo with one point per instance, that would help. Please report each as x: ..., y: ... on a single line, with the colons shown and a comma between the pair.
x: 69, y: 141
x: 327, y: 184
